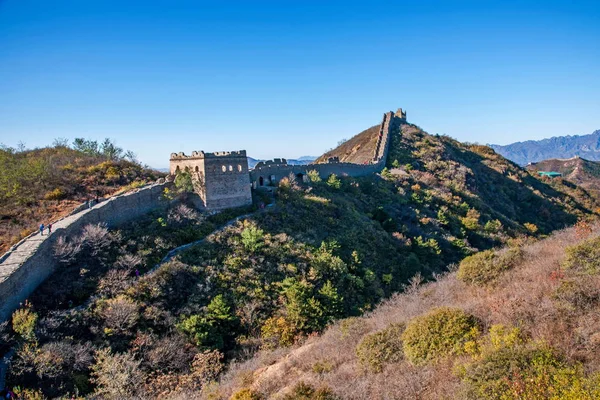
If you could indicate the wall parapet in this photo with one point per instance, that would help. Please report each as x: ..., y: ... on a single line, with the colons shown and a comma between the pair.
x: 31, y: 261
x: 201, y: 155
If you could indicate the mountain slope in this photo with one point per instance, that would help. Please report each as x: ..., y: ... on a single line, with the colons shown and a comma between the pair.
x: 330, y: 248
x: 43, y: 185
x: 585, y: 146
x: 582, y: 172
x: 358, y: 150
x: 533, y: 335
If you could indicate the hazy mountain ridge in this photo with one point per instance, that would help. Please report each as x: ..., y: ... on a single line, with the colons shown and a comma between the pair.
x: 304, y: 160
x: 586, y: 146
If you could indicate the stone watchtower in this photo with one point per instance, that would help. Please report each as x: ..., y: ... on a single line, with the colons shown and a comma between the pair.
x: 221, y: 179
x: 401, y: 114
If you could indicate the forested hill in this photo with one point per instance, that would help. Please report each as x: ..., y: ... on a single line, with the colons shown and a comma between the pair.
x: 44, y: 184
x: 586, y: 146
x: 332, y: 247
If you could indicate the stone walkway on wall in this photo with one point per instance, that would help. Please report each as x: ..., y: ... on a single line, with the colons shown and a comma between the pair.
x: 19, y: 253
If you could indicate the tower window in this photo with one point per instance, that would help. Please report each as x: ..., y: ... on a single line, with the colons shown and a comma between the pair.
x: 224, y: 168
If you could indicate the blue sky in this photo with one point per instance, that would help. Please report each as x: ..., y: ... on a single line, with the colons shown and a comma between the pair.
x: 291, y: 78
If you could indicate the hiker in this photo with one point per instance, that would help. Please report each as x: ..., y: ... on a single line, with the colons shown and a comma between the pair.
x: 7, y: 394
x: 49, y: 228
x: 137, y: 273
x: 42, y: 229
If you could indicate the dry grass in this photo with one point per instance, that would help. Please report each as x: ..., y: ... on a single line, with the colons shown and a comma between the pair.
x: 524, y: 297
x: 358, y: 149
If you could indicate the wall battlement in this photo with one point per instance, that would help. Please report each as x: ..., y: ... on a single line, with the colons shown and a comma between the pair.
x: 201, y: 155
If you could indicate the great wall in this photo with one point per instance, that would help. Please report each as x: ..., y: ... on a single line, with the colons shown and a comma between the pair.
x: 221, y: 180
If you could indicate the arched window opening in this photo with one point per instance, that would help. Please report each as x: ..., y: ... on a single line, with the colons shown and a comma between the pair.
x: 230, y: 168
x: 261, y: 181
x: 224, y: 168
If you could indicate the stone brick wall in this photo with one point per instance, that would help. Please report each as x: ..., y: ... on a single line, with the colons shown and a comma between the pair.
x: 26, y: 265
x: 221, y: 178
x: 227, y: 182
x: 271, y: 172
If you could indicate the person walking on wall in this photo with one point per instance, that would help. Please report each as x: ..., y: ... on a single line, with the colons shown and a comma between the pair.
x: 49, y: 228
x: 42, y: 229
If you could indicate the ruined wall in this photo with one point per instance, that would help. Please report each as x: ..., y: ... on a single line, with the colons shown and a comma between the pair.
x: 27, y: 264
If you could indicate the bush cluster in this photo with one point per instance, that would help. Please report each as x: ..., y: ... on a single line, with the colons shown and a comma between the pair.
x: 511, y: 367
x: 584, y: 257
x: 380, y: 348
x: 487, y: 266
x: 440, y: 333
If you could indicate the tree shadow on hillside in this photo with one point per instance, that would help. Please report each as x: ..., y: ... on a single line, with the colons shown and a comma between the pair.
x: 516, y: 202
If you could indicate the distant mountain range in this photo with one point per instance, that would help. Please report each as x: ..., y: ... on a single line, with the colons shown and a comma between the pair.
x: 585, y: 146
x: 304, y: 160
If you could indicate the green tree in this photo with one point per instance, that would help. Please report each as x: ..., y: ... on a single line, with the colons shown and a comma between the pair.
x: 313, y: 176
x: 252, y: 238
x: 183, y: 182
x: 86, y: 146
x: 302, y: 308
x: 215, y: 328
x: 333, y: 303
x: 334, y: 182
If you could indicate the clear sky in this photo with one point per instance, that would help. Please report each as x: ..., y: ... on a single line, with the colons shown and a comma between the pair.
x: 291, y: 78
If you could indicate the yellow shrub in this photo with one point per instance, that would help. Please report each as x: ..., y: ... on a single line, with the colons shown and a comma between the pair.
x: 440, y: 333
x: 584, y: 256
x: 56, y: 194
x: 23, y: 322
x: 277, y: 331
x: 246, y: 394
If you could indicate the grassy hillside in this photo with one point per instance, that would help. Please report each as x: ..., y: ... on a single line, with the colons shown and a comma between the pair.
x: 42, y: 185
x: 527, y: 330
x: 577, y: 170
x: 330, y: 248
x: 359, y: 149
